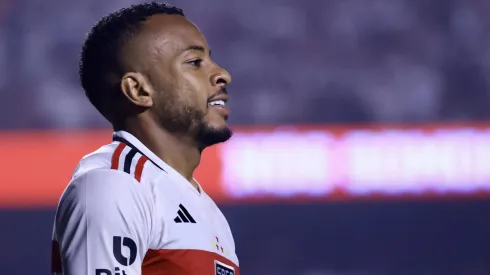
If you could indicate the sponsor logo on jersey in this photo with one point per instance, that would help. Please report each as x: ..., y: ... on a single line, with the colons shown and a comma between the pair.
x: 223, y: 269
x: 126, y: 260
x: 117, y: 271
x: 117, y: 244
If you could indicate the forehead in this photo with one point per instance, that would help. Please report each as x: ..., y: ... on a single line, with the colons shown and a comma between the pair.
x: 171, y: 34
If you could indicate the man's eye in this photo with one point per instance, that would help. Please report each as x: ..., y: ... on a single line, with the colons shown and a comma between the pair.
x: 196, y: 63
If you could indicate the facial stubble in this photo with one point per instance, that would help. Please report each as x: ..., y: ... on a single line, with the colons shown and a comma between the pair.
x: 184, y: 119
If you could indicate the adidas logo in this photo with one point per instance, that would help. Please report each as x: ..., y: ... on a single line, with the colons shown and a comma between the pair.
x: 184, y: 216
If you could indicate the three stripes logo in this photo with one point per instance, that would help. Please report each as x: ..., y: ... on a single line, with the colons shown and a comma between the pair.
x: 183, y: 216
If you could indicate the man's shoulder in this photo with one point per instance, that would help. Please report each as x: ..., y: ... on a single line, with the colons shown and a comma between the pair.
x: 116, y: 160
x: 105, y: 189
x: 104, y: 172
x: 98, y: 159
x: 105, y: 197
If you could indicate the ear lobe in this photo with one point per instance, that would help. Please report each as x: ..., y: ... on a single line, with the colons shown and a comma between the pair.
x: 136, y: 89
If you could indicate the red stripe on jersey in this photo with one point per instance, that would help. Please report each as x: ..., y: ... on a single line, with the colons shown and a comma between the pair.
x: 139, y: 167
x: 183, y: 262
x: 116, y: 155
x: 55, y: 257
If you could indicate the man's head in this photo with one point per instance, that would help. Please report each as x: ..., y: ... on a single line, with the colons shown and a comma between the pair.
x: 149, y: 62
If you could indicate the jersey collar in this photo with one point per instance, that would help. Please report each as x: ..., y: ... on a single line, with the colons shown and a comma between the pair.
x: 133, y: 142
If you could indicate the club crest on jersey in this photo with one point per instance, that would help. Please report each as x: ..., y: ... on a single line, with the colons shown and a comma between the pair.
x: 223, y: 269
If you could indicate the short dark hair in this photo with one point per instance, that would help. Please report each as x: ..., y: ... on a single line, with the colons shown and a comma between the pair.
x: 100, y: 67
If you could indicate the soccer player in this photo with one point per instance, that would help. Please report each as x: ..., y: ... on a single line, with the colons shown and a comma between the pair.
x: 133, y: 207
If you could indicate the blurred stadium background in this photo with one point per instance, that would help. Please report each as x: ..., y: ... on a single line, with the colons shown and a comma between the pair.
x: 362, y: 141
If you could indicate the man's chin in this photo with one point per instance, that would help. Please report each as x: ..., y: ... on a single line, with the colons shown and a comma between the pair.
x: 208, y: 136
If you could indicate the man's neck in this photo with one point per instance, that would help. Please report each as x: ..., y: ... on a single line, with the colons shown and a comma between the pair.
x: 178, y: 152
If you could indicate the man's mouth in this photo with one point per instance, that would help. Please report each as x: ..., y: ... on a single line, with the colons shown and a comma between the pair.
x: 217, y: 103
x: 219, y: 100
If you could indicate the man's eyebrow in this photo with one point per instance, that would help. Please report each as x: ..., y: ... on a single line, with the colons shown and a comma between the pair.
x: 196, y: 48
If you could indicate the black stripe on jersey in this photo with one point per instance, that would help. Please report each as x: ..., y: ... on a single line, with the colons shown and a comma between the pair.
x: 129, y: 158
x: 177, y: 220
x: 187, y: 214
x: 123, y: 140
x: 182, y: 216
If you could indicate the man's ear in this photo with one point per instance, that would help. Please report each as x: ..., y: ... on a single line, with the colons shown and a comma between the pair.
x: 137, y: 90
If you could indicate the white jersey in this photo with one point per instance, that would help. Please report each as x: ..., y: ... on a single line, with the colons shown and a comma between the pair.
x: 126, y: 212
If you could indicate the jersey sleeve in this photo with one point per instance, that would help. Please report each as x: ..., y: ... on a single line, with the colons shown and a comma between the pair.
x: 103, y: 224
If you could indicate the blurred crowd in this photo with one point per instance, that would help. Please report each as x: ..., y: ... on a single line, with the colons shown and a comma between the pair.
x: 316, y: 61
